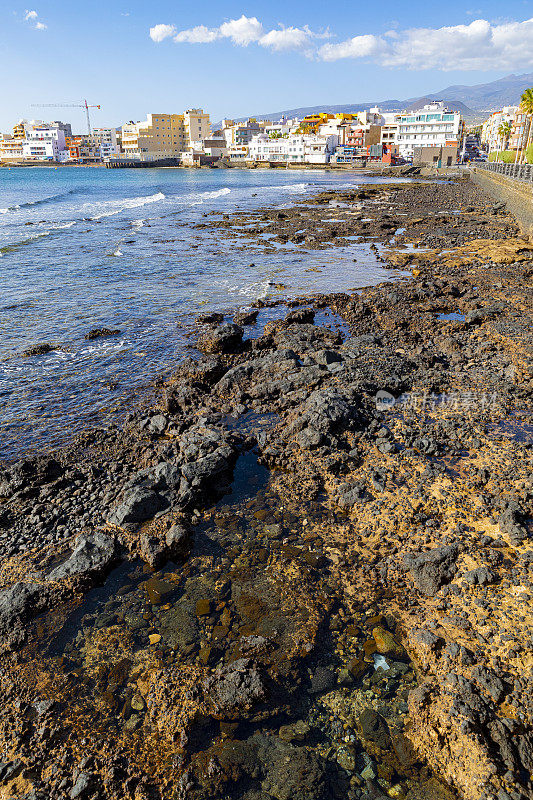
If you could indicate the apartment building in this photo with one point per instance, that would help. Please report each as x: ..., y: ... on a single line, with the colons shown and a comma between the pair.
x: 164, y: 135
x: 431, y: 126
x: 296, y: 148
x: 490, y: 136
x: 34, y: 141
x: 106, y: 141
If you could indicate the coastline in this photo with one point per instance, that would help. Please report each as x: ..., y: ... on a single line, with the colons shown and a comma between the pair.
x: 358, y: 527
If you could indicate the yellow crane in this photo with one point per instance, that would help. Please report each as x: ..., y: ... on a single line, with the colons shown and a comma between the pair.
x: 84, y: 105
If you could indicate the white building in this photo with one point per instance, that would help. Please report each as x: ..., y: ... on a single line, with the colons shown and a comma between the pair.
x: 297, y: 148
x: 34, y: 141
x: 106, y: 139
x: 431, y: 126
x: 490, y: 137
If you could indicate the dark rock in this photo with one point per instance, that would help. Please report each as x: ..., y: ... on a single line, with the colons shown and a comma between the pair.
x: 137, y: 505
x: 213, y: 318
x: 322, y: 680
x: 97, y: 332
x: 29, y: 473
x: 348, y: 494
x: 224, y: 339
x: 295, y: 773
x: 246, y: 317
x: 489, y: 682
x: 92, y: 555
x: 152, y: 551
x: 300, y: 315
x: 38, y: 350
x: 83, y: 788
x: 374, y: 728
x: 432, y: 569
x: 20, y: 602
x: 511, y: 524
x: 480, y: 576
x: 177, y: 540
x: 236, y: 686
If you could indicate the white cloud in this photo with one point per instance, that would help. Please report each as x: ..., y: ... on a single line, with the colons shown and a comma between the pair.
x: 477, y: 46
x: 32, y: 18
x: 242, y: 31
x: 286, y: 39
x: 161, y: 31
x: 358, y: 47
x: 198, y: 35
x: 480, y: 45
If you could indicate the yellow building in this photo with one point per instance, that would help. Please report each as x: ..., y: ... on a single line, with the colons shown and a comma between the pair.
x: 164, y: 135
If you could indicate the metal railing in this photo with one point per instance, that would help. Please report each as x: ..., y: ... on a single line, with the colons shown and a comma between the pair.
x: 522, y: 172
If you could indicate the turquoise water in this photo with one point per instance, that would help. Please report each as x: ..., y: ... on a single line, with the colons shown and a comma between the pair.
x: 85, y: 248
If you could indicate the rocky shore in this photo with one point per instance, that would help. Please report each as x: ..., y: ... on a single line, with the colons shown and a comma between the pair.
x: 307, y: 572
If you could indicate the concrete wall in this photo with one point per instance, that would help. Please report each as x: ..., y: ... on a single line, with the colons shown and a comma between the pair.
x: 517, y: 195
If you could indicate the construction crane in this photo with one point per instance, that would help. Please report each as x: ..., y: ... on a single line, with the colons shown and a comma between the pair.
x: 84, y: 105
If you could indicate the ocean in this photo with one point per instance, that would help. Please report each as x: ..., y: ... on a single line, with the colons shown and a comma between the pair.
x: 84, y: 248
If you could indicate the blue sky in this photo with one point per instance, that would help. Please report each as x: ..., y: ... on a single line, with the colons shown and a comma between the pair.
x: 134, y: 57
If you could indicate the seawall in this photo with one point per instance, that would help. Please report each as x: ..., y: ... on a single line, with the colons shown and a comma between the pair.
x: 516, y: 194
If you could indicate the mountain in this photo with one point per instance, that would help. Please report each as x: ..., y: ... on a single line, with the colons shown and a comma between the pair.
x: 471, y: 101
x: 489, y: 96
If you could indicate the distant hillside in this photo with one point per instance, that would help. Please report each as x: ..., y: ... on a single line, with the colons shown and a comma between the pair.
x: 470, y: 100
x: 490, y: 96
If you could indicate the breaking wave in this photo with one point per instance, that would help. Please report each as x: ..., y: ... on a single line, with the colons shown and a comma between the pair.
x: 110, y: 207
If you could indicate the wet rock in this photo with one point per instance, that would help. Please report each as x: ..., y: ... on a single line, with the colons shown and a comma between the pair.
x: 158, y: 591
x: 224, y: 339
x: 374, y: 728
x: 92, y: 555
x: 97, y: 332
x: 213, y: 318
x: 386, y: 643
x: 295, y: 732
x: 38, y: 350
x: 432, y: 569
x: 295, y: 773
x: 236, y: 686
x: 137, y: 505
x: 177, y: 540
x: 246, y: 317
x: 300, y: 315
x: 322, y: 680
x: 29, y: 473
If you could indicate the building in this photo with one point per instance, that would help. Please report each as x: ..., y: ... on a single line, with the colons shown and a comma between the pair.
x: 490, y: 136
x: 83, y: 148
x: 34, y: 141
x: 294, y: 149
x: 431, y: 126
x: 240, y: 134
x: 106, y: 141
x: 436, y: 156
x: 163, y: 136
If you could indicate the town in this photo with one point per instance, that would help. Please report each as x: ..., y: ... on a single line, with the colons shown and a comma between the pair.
x: 433, y: 135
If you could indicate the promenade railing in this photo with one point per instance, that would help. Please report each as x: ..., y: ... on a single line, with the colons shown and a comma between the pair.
x: 522, y: 172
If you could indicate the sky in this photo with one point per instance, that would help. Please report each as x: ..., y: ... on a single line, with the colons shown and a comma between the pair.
x: 246, y: 58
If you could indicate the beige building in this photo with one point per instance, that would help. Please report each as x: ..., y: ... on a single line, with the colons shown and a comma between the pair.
x: 164, y: 135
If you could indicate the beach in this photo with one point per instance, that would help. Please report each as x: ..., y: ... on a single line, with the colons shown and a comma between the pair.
x: 297, y: 564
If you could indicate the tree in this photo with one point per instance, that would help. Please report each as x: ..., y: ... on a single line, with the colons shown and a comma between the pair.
x: 504, y: 131
x: 526, y: 104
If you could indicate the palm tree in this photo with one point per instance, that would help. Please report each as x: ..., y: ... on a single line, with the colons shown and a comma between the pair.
x: 504, y: 131
x: 526, y: 104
